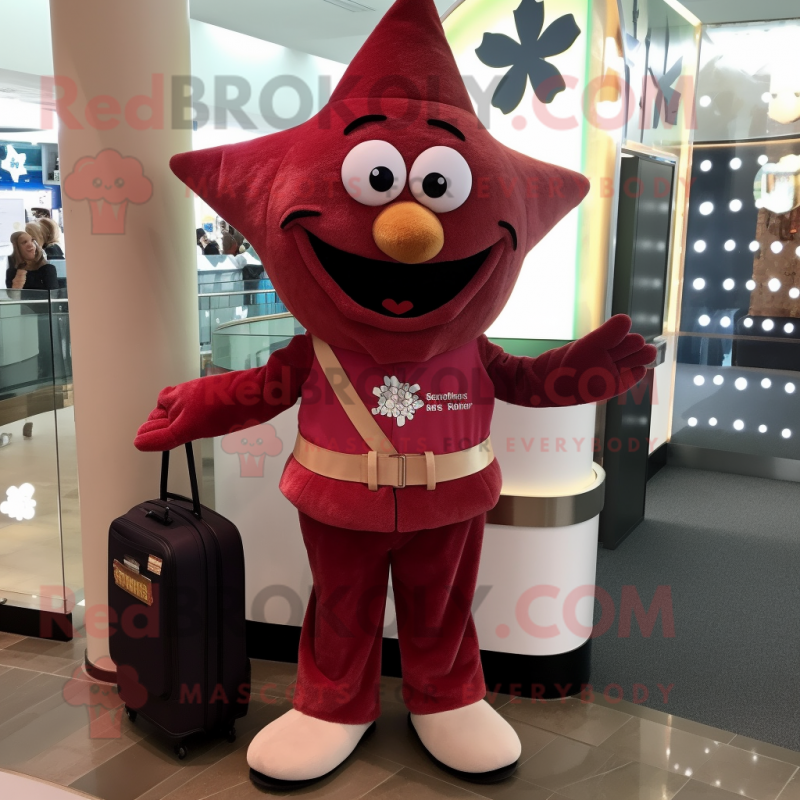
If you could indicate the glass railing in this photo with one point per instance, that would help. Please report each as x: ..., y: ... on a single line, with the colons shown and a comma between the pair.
x: 40, y: 548
x: 248, y: 343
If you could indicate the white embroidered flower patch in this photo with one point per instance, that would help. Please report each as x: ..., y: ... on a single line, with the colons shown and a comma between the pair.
x: 397, y: 400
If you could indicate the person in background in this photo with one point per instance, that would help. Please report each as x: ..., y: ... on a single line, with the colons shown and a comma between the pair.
x: 40, y: 213
x: 30, y: 268
x: 244, y: 245
x: 35, y: 232
x: 32, y: 271
x: 208, y: 247
x: 51, y: 237
x: 230, y: 247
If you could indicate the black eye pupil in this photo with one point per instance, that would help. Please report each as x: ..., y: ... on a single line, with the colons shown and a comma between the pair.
x: 96, y: 182
x: 434, y: 185
x: 119, y: 182
x: 381, y: 179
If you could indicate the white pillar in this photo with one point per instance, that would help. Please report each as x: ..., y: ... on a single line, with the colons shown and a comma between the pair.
x: 132, y: 293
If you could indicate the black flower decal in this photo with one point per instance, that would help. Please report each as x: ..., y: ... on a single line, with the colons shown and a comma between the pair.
x: 527, y: 57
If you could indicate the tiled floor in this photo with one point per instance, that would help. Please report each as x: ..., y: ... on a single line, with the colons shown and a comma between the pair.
x: 571, y: 749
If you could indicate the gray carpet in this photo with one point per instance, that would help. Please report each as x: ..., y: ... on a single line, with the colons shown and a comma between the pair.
x: 729, y: 548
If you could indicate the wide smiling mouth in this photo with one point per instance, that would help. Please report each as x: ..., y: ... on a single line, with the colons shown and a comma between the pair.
x: 395, y: 289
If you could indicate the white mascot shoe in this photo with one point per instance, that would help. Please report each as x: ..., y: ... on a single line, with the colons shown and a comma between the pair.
x: 473, y: 743
x: 296, y: 750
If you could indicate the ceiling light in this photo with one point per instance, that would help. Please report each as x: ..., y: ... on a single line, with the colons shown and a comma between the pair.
x: 794, y: 293
x: 763, y: 160
x: 730, y: 245
x: 740, y: 384
x: 705, y: 165
x: 692, y: 421
x: 704, y: 319
x: 766, y: 383
x: 766, y: 97
x: 776, y: 247
x: 774, y: 284
x: 750, y: 285
x: 728, y: 284
x: 719, y: 380
x: 712, y: 422
x: 735, y: 205
x: 699, y: 246
x: 767, y: 324
x: 748, y: 323
x: 705, y: 101
x: 699, y: 380
x: 788, y: 328
x: 706, y: 208
x: 754, y: 247
x: 725, y: 322
x: 786, y: 433
x: 790, y: 387
x: 762, y: 428
x: 739, y: 425
x: 699, y: 283
x: 736, y: 163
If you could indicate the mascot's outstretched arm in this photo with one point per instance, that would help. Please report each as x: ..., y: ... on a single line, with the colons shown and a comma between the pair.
x: 603, y: 364
x: 216, y: 405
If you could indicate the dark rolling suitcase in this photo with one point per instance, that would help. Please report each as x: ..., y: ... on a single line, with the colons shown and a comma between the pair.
x: 176, y: 597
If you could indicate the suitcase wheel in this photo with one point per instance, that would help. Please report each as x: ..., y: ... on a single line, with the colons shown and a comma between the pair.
x: 131, y: 714
x: 232, y: 734
x: 181, y: 751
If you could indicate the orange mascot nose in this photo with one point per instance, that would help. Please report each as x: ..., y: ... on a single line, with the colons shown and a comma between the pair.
x: 408, y: 232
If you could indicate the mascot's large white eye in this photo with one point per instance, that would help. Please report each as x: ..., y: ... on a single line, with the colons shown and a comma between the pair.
x: 441, y: 179
x: 374, y: 173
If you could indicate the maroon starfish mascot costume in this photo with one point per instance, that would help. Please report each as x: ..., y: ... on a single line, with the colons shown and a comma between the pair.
x: 393, y: 227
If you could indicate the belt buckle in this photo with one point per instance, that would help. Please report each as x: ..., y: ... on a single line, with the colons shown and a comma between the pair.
x: 401, y: 469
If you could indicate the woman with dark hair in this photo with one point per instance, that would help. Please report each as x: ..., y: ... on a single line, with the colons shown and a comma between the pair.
x: 207, y: 246
x: 30, y: 269
x: 51, y: 234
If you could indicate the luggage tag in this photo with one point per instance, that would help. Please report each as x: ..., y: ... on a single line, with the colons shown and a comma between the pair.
x: 154, y: 565
x: 130, y: 581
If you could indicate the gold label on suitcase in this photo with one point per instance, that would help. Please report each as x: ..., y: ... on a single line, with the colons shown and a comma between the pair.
x: 133, y: 583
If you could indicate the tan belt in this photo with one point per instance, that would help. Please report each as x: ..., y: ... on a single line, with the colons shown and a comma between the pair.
x: 393, y: 469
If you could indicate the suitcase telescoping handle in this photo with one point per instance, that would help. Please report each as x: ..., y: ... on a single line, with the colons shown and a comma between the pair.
x: 167, y: 495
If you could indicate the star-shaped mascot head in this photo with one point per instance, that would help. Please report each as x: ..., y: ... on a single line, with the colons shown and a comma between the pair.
x: 392, y: 222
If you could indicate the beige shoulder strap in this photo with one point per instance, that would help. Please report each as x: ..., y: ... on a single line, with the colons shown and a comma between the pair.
x: 353, y: 405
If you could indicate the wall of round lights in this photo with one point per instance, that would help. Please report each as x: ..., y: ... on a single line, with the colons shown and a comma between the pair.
x: 720, y: 401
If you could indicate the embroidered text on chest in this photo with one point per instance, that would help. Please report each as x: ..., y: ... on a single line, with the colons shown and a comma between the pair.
x: 397, y: 400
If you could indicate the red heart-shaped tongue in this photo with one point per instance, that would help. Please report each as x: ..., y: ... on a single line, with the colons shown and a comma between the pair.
x: 397, y: 308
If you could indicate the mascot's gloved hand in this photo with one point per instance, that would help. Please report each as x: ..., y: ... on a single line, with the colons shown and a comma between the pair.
x: 164, y: 429
x: 603, y: 364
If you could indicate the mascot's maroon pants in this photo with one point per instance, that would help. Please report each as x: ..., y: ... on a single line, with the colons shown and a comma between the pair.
x: 433, y: 575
